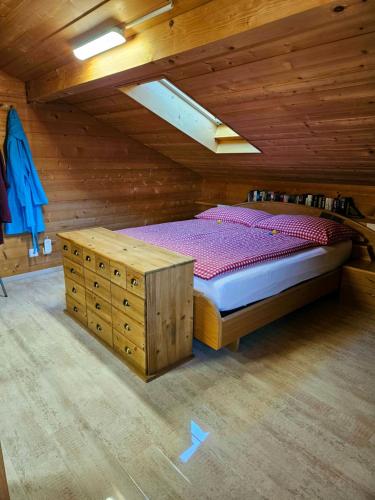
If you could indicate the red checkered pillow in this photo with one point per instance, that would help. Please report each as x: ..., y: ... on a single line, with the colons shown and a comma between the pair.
x: 240, y: 215
x: 322, y: 231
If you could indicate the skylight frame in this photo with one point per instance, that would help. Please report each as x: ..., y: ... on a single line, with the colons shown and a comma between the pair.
x: 194, y: 104
x: 175, y: 107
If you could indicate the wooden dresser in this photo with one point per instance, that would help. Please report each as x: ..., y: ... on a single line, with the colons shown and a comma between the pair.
x: 135, y: 297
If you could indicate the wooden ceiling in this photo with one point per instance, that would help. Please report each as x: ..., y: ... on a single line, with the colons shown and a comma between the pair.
x: 311, y: 110
x: 303, y: 92
x: 37, y: 36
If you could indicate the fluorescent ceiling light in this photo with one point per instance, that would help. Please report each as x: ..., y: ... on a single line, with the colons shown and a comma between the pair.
x: 104, y: 42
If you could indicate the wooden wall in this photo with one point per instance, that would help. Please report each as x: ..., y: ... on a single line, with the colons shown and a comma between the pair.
x: 93, y: 176
x: 222, y: 190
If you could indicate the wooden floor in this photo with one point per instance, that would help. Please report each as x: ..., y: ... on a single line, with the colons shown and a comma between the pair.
x: 291, y: 415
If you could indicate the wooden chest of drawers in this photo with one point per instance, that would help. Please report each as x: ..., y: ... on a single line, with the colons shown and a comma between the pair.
x: 135, y: 297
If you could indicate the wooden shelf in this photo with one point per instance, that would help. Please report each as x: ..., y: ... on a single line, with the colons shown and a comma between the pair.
x: 358, y: 284
x: 361, y: 265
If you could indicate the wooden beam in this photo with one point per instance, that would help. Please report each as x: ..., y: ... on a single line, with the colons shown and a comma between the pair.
x: 205, y: 30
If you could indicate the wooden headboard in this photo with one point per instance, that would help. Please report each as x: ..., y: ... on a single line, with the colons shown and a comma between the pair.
x: 276, y: 207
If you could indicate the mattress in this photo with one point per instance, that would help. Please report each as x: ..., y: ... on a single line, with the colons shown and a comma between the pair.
x: 240, y: 288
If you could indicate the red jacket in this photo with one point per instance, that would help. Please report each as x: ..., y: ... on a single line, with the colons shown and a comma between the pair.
x: 4, y: 208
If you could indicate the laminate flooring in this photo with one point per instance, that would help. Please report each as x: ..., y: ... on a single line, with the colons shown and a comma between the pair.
x: 289, y: 416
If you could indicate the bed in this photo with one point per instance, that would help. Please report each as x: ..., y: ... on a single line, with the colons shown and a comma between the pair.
x: 231, y: 304
x: 237, y: 289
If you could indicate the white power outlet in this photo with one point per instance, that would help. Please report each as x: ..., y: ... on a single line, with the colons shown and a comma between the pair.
x: 33, y: 253
x: 47, y: 246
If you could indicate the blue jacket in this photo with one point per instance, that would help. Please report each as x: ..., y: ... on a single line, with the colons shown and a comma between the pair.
x: 25, y: 193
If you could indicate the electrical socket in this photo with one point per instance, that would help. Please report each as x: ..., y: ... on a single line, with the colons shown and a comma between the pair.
x: 47, y: 246
x: 33, y: 253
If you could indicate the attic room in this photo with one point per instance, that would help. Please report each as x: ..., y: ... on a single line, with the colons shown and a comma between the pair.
x: 187, y: 235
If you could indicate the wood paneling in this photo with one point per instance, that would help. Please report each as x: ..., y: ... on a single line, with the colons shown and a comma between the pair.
x: 38, y: 36
x: 177, y: 42
x: 303, y: 93
x: 93, y: 176
x: 219, y: 190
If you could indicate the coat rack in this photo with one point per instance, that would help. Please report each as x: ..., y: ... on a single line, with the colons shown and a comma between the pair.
x: 6, y: 107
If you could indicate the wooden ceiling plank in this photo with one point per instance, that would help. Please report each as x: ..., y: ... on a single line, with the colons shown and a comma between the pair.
x: 357, y: 18
x: 344, y: 55
x: 41, y: 19
x: 319, y: 128
x: 187, y: 33
x: 47, y: 43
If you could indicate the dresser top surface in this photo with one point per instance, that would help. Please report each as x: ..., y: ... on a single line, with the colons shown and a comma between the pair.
x: 132, y: 252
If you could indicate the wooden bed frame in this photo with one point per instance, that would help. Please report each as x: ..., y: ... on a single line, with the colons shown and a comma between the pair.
x: 218, y: 331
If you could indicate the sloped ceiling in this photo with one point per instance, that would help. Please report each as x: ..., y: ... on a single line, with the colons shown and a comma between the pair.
x: 311, y: 110
x: 305, y: 96
x: 37, y: 36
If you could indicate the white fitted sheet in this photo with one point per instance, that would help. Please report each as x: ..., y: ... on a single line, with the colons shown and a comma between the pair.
x: 240, y: 288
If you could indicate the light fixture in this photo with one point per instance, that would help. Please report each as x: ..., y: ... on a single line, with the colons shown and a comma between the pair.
x: 111, y: 39
x: 152, y: 14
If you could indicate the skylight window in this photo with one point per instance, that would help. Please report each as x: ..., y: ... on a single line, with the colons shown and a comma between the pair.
x: 177, y: 108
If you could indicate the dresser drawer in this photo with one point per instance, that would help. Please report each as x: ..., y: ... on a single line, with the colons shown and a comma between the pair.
x: 118, y: 274
x: 98, y: 285
x: 76, y: 309
x: 128, y: 303
x: 102, y: 266
x: 135, y: 282
x: 129, y: 327
x: 66, y: 248
x: 100, y: 327
x: 89, y: 259
x: 76, y: 253
x: 76, y: 291
x: 99, y: 306
x: 129, y: 351
x: 74, y: 271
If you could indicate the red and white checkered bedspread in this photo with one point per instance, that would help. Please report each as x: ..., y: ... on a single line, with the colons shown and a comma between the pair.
x: 218, y: 248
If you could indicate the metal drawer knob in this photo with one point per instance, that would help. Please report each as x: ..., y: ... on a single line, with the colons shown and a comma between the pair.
x: 99, y: 328
x: 88, y: 258
x: 65, y: 247
x: 96, y: 284
x: 127, y: 327
x: 133, y: 282
x: 101, y: 265
x: 74, y: 289
x: 116, y: 272
x: 98, y: 306
x: 128, y: 350
x: 76, y: 252
x: 126, y: 303
x: 75, y: 309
